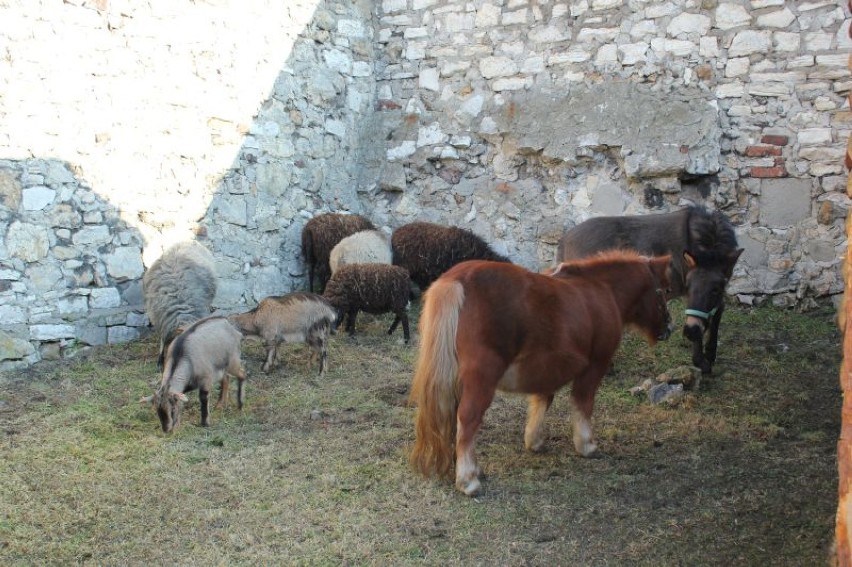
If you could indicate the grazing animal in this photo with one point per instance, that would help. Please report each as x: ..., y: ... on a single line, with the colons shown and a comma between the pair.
x: 292, y: 318
x: 199, y: 358
x: 319, y: 237
x: 178, y: 289
x: 704, y: 251
x: 363, y: 247
x: 486, y: 326
x: 374, y: 288
x: 427, y: 250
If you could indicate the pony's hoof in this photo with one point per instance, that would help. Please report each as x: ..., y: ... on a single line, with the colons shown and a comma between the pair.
x: 587, y: 450
x: 536, y: 446
x: 471, y: 488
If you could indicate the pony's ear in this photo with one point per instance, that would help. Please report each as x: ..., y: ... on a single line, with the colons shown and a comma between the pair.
x: 732, y: 259
x: 689, y: 259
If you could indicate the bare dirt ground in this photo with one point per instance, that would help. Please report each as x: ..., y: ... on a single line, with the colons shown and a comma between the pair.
x: 314, y: 470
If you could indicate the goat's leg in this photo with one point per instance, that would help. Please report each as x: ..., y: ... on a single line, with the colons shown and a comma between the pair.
x: 203, y: 396
x: 224, y: 394
x: 271, y: 354
x: 235, y: 368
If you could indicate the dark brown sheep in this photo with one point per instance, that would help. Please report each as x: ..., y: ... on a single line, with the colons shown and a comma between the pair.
x: 319, y: 237
x: 374, y: 288
x: 427, y: 250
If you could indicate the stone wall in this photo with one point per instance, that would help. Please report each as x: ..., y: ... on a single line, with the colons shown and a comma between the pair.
x: 519, y: 118
x: 125, y: 126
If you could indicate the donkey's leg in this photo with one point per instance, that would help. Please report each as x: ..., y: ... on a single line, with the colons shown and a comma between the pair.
x: 534, y: 433
x: 713, y: 339
x: 477, y: 394
x: 583, y: 399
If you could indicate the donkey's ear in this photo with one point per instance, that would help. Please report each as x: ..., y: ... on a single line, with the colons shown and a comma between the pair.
x: 689, y: 259
x: 732, y: 260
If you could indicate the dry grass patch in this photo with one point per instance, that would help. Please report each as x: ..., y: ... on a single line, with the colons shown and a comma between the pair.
x: 314, y: 470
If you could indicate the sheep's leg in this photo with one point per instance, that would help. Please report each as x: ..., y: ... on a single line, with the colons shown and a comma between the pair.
x: 405, y: 333
x: 271, y: 354
x: 350, y: 323
x: 203, y: 396
x: 394, y: 325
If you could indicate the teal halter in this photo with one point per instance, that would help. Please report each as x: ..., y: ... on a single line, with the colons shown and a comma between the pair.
x: 702, y: 314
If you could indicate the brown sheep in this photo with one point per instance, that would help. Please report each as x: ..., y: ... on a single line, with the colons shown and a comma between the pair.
x: 427, y: 250
x: 374, y: 288
x: 319, y: 237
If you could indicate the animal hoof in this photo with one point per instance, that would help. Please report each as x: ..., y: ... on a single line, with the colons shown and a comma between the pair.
x: 470, y: 488
x: 588, y: 449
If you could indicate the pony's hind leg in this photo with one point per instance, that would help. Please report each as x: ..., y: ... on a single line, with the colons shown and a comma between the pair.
x: 474, y: 401
x: 583, y: 399
x: 534, y: 432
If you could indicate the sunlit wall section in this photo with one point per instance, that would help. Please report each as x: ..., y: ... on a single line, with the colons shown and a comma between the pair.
x: 150, y: 101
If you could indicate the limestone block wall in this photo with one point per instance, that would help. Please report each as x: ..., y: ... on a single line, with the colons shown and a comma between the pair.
x: 519, y: 118
x: 125, y: 126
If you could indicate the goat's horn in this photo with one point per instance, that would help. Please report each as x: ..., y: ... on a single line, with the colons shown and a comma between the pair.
x: 146, y: 399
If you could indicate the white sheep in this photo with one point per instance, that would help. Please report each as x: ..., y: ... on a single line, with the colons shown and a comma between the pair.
x: 363, y: 247
x: 178, y: 289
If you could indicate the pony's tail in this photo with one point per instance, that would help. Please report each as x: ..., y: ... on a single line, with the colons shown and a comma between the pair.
x: 435, y: 389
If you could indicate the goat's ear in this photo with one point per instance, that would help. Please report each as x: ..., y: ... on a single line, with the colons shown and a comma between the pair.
x: 181, y: 396
x: 147, y: 399
x: 690, y: 261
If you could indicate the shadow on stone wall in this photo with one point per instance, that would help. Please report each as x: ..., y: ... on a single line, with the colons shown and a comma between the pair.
x: 70, y: 267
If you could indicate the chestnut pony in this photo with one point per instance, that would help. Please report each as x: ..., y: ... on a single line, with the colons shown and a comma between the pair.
x: 486, y: 326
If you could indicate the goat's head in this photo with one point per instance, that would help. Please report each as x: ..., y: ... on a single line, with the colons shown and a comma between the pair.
x: 169, y: 406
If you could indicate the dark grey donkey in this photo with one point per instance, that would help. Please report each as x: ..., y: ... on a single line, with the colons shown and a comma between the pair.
x: 704, y: 251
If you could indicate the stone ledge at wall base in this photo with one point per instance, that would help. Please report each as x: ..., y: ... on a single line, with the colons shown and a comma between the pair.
x: 24, y: 345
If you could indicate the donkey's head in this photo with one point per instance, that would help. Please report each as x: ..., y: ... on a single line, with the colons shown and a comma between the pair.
x: 705, y: 290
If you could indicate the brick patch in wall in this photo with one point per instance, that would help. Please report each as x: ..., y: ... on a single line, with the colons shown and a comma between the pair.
x: 762, y: 151
x: 764, y: 172
x: 775, y: 140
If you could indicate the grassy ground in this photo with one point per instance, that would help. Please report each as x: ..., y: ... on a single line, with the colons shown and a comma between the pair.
x: 314, y: 471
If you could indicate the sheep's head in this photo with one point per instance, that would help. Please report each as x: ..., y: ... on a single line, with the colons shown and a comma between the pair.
x: 169, y: 407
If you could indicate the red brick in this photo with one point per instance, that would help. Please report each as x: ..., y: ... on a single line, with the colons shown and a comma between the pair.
x: 762, y: 151
x: 775, y: 140
x: 385, y: 104
x: 777, y: 171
